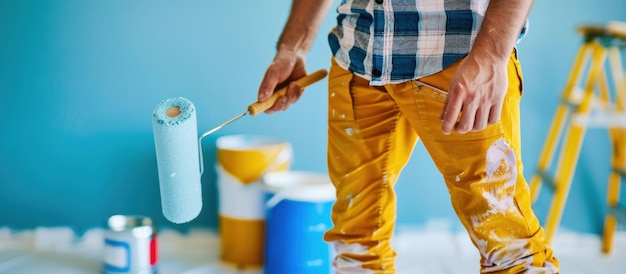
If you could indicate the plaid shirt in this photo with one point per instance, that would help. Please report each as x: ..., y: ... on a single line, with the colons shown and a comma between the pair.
x: 392, y: 41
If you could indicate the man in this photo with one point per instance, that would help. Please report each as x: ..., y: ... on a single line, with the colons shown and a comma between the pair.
x: 443, y: 71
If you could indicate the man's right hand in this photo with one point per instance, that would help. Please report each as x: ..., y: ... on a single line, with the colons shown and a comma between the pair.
x: 287, y: 67
x: 304, y: 20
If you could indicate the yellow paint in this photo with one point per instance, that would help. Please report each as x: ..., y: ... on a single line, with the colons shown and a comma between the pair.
x: 242, y: 241
x: 249, y: 164
x: 242, y: 161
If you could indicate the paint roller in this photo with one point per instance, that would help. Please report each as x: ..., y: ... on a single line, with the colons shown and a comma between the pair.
x: 179, y: 150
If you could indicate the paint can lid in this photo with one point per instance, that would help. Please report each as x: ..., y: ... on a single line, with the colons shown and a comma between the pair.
x: 128, y: 222
x: 299, y: 185
x: 247, y: 142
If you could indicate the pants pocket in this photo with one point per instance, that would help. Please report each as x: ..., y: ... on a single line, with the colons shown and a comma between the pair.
x: 430, y: 102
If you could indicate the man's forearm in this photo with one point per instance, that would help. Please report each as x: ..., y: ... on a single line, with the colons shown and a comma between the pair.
x: 304, y: 21
x: 501, y: 27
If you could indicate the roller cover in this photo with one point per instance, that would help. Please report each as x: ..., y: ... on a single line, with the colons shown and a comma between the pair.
x: 176, y: 142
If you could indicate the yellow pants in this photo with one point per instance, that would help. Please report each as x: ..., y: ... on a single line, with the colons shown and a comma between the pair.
x: 371, y: 134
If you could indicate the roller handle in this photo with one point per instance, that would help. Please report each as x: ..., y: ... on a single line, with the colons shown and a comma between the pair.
x: 303, y: 82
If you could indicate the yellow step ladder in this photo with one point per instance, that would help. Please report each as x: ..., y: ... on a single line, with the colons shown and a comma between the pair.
x: 587, y: 103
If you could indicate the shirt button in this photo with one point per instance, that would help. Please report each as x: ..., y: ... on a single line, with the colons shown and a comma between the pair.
x: 376, y: 73
x: 379, y: 2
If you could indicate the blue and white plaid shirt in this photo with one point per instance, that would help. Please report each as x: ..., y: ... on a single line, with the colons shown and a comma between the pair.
x: 392, y: 41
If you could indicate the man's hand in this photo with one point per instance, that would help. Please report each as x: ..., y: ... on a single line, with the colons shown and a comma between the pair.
x: 479, y: 85
x: 298, y: 35
x: 476, y: 93
x: 286, y: 67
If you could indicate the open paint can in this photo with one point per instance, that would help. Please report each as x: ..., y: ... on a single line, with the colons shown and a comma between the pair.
x: 298, y: 206
x: 242, y: 160
x: 130, y: 245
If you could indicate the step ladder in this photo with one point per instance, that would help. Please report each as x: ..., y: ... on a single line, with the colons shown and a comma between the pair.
x: 588, y: 103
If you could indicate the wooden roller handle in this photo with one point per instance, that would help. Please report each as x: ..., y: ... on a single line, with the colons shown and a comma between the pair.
x: 303, y: 82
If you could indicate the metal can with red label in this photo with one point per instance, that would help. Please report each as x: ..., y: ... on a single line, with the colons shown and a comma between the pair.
x: 130, y: 245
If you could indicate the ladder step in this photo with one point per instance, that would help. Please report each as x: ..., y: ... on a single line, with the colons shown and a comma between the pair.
x: 617, y: 29
x: 601, y: 120
x: 612, y: 31
x: 577, y: 96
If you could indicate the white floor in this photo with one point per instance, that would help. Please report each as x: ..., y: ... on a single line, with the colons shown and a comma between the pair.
x: 426, y: 250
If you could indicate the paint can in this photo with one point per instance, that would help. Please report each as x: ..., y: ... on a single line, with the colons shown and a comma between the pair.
x: 242, y: 160
x: 298, y: 206
x: 130, y: 245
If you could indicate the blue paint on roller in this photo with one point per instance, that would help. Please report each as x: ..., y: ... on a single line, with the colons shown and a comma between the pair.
x: 176, y: 143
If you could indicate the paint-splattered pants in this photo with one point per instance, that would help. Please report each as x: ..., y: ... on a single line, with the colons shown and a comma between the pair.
x: 371, y: 134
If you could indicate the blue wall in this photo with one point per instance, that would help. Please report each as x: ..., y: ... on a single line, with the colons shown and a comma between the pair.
x: 79, y: 81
